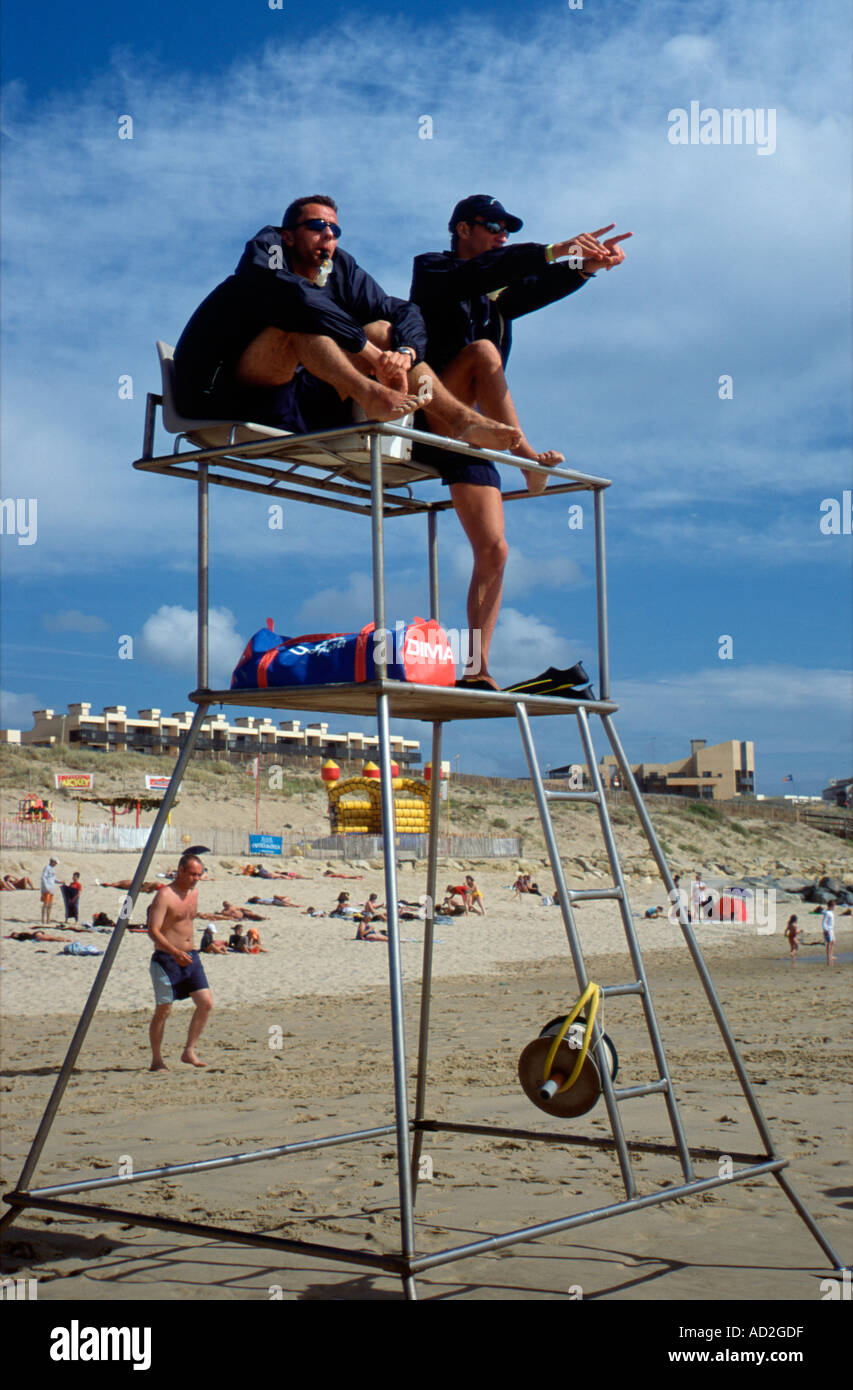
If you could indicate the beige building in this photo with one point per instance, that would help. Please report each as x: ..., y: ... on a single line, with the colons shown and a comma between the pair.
x: 719, y: 773
x: 151, y: 731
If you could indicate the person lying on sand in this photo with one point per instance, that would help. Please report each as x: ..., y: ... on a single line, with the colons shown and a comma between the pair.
x: 277, y: 900
x: 147, y: 887
x: 8, y: 884
x: 330, y: 873
x: 228, y: 912
x: 652, y: 912
x: 37, y: 935
x: 312, y: 912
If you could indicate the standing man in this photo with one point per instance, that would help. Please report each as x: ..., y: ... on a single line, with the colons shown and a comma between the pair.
x: 469, y: 296
x: 827, y: 923
x: 176, y: 970
x: 300, y: 331
x: 48, y: 889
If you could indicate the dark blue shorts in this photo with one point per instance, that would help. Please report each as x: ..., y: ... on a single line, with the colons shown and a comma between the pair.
x: 454, y: 468
x: 303, y: 404
x: 182, y: 980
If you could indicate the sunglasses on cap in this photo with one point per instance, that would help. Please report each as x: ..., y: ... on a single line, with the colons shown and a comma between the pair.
x: 316, y: 224
x: 493, y: 227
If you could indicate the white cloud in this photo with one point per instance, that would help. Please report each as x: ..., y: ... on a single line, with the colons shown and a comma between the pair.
x: 524, y: 645
x: 168, y: 638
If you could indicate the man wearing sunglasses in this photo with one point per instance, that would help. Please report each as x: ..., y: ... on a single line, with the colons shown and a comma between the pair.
x: 299, y: 331
x: 469, y: 297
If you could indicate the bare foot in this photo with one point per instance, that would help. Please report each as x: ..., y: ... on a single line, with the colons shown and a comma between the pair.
x: 537, y: 482
x: 158, y: 1066
x: 490, y: 434
x: 381, y: 403
x: 191, y: 1056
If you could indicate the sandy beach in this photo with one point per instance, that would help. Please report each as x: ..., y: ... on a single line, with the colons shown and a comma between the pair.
x: 298, y: 1046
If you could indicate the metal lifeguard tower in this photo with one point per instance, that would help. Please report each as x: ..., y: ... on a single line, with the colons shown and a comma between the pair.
x: 367, y: 469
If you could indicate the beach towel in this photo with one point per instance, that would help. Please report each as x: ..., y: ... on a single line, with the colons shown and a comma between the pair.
x: 79, y: 948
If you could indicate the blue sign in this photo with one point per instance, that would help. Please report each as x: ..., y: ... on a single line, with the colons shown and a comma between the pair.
x: 265, y: 844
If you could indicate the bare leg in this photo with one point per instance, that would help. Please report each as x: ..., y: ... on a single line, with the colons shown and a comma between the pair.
x: 272, y: 358
x: 445, y: 414
x: 156, y: 1029
x: 203, y: 1001
x: 476, y: 376
x: 480, y: 512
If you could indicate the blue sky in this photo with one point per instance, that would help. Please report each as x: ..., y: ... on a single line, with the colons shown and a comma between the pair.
x: 739, y: 265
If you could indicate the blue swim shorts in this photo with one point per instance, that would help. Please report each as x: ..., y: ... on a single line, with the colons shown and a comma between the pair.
x: 172, y: 981
x: 454, y: 468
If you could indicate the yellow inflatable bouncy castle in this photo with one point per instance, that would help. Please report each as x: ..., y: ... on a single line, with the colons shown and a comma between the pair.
x: 355, y: 805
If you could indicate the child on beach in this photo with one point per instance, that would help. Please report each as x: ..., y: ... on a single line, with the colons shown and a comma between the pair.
x: 794, y: 935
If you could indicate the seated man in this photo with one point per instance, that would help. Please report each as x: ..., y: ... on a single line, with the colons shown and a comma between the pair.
x: 367, y: 932
x: 210, y: 945
x: 469, y: 296
x: 237, y: 941
x: 372, y: 910
x: 299, y: 331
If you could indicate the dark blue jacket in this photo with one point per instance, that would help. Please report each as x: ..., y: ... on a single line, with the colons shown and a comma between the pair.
x: 463, y: 301
x: 265, y: 293
x: 350, y: 299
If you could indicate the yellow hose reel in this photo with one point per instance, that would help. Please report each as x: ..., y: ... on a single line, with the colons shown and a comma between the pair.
x: 560, y: 1070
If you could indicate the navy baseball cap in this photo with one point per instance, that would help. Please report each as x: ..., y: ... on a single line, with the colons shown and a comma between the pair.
x: 480, y: 204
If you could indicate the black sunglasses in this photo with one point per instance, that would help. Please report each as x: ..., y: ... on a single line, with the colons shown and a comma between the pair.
x: 493, y: 227
x: 316, y: 224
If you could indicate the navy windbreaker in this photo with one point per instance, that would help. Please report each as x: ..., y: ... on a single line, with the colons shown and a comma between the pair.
x: 463, y: 301
x: 264, y: 292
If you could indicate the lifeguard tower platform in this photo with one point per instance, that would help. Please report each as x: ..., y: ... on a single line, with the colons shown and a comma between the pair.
x: 366, y: 469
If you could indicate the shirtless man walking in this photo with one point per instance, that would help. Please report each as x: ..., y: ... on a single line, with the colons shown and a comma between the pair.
x: 176, y: 970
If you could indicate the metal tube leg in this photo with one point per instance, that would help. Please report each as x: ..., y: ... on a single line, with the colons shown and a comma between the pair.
x: 690, y: 938
x: 601, y: 598
x: 110, y: 953
x: 398, y: 1035
x: 805, y: 1214
x: 203, y: 576
x: 395, y: 971
x: 429, y: 937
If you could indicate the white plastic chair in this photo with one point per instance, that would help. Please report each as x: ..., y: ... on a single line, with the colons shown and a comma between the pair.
x: 211, y: 434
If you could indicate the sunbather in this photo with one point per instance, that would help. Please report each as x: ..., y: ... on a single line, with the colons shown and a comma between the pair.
x: 210, y: 944
x: 277, y: 900
x: 9, y: 884
x: 37, y: 935
x: 367, y: 932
